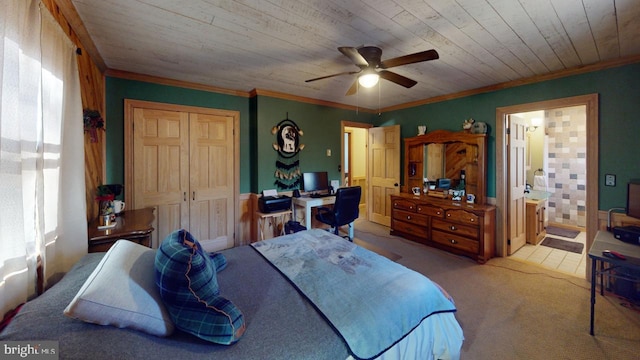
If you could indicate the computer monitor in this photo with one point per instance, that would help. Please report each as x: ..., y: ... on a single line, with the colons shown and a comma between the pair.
x: 315, y: 181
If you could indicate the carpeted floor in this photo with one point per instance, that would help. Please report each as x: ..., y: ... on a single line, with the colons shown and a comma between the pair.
x: 388, y: 254
x: 510, y: 309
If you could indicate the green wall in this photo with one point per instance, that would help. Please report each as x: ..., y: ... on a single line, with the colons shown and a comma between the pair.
x: 619, y: 95
x: 118, y: 90
x: 619, y: 90
x: 320, y: 124
x: 321, y: 129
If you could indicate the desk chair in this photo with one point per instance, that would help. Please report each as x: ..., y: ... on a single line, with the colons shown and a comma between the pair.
x: 345, y: 209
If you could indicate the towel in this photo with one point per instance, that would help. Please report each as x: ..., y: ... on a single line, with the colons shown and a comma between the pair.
x: 540, y: 182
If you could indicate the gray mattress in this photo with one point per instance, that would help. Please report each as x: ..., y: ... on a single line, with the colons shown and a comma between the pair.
x: 281, y: 323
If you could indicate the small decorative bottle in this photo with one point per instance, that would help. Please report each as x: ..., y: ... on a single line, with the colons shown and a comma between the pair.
x: 462, y: 185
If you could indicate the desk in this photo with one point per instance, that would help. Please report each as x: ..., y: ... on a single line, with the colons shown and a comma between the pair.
x: 308, y: 203
x: 273, y: 218
x: 134, y: 225
x: 606, y: 241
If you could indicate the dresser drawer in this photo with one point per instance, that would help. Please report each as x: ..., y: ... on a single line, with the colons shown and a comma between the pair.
x: 404, y: 205
x: 463, y: 216
x: 455, y: 228
x: 411, y: 217
x: 409, y: 228
x: 455, y: 241
x: 430, y: 210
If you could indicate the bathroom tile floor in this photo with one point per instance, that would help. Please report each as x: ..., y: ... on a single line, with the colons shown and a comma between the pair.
x: 564, y: 261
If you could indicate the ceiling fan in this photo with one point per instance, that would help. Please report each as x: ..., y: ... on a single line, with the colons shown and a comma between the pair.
x: 368, y: 59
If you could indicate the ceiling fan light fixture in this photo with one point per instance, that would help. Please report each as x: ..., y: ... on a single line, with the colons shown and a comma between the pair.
x: 368, y: 80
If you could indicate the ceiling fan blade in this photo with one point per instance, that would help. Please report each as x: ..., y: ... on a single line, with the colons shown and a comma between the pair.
x: 353, y: 89
x: 330, y: 76
x: 396, y: 78
x: 410, y: 59
x: 353, y: 54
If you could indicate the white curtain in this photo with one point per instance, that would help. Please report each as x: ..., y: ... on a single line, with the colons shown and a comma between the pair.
x: 42, y: 206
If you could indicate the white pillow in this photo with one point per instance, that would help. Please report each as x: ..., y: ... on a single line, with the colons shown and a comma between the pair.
x: 122, y: 292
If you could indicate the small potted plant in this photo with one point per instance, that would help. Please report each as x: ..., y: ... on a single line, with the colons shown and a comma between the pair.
x: 92, y: 122
x: 105, y: 198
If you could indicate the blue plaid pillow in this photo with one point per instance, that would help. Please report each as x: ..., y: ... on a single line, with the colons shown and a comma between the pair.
x: 186, y: 277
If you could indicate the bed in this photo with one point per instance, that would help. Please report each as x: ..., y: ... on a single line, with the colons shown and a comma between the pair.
x: 281, y: 319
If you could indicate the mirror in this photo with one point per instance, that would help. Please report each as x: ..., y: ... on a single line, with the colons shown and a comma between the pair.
x: 445, y: 154
x: 449, y: 160
x: 434, y: 161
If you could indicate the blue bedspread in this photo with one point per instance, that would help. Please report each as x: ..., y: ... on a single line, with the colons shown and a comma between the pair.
x: 370, y: 300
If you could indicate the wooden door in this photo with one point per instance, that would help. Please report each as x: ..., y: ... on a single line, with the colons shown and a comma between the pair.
x: 384, y: 172
x: 184, y: 162
x: 211, y: 185
x: 517, y: 183
x: 161, y: 166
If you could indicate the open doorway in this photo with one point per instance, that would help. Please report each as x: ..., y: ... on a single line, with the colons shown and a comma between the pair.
x: 354, y: 159
x: 553, y: 170
x: 504, y: 191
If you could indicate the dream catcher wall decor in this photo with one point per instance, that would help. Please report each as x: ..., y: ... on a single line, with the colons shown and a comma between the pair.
x: 288, y: 147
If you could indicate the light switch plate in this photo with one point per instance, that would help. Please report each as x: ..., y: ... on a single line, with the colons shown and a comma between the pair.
x: 609, y: 180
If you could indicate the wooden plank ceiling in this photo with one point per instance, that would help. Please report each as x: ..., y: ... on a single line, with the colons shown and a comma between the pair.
x: 276, y: 45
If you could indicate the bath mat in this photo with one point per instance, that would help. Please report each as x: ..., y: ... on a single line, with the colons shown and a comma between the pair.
x: 565, y: 245
x: 558, y: 231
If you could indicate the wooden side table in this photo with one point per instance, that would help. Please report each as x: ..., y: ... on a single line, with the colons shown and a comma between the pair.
x: 134, y: 225
x: 613, y: 267
x: 275, y: 219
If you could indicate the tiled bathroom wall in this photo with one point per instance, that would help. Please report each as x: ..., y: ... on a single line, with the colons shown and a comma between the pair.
x: 567, y: 141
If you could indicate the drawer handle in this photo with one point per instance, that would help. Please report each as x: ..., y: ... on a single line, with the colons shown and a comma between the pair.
x: 453, y: 228
x: 453, y: 241
x: 408, y: 217
x: 471, y: 220
x: 438, y: 213
x: 448, y: 215
x: 410, y: 207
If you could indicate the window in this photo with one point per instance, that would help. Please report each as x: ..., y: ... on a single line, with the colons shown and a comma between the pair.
x: 41, y: 151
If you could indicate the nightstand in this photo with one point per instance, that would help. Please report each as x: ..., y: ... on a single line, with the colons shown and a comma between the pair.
x: 134, y: 225
x: 275, y: 219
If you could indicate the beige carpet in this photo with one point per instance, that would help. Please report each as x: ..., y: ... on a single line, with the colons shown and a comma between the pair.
x: 510, y: 309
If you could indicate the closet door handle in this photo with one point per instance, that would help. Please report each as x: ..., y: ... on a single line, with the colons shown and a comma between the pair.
x: 184, y: 196
x: 194, y: 196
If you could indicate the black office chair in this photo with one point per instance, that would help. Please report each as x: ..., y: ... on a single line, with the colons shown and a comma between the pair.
x: 345, y: 209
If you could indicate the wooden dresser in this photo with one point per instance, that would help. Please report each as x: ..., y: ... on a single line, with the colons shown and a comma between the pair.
x: 454, y: 226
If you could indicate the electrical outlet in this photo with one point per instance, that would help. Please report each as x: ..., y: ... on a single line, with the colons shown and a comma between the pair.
x: 609, y: 180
